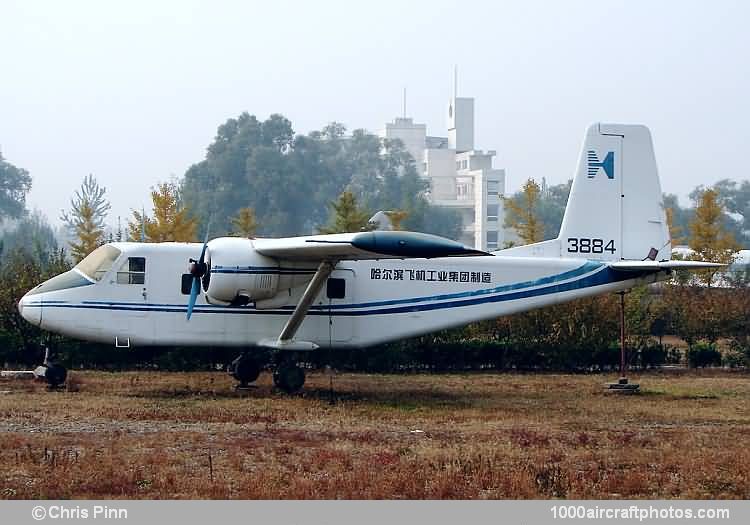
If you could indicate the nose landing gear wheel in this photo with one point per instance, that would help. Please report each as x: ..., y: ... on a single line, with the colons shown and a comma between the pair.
x: 245, y: 369
x: 289, y: 377
x: 55, y: 375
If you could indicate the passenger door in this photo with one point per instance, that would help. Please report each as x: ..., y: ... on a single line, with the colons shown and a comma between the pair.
x: 130, y: 288
x: 339, y: 291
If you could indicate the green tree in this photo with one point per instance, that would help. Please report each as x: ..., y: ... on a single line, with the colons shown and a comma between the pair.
x: 436, y: 220
x: 249, y: 164
x: 550, y: 206
x: 31, y: 233
x: 522, y: 216
x: 15, y: 183
x: 288, y: 180
x: 735, y: 196
x: 708, y: 238
x: 244, y: 223
x: 21, y: 271
x: 85, y: 219
x: 397, y: 217
x: 675, y: 231
x: 171, y: 221
x: 347, y: 216
x: 730, y: 198
x: 680, y: 218
x: 89, y: 234
x: 552, y: 203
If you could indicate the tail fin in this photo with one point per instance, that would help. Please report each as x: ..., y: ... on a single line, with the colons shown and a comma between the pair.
x: 615, y: 210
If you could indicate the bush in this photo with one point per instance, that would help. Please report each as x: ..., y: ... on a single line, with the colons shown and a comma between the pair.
x: 606, y: 358
x: 738, y: 353
x: 652, y: 355
x: 674, y: 355
x: 734, y: 359
x: 703, y: 354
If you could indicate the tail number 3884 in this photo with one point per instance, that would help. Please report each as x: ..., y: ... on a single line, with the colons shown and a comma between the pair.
x: 586, y: 245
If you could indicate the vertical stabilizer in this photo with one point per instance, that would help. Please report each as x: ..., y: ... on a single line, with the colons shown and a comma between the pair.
x: 615, y: 210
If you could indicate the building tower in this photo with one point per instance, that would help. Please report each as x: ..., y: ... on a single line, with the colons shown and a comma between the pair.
x: 460, y: 120
x: 461, y: 178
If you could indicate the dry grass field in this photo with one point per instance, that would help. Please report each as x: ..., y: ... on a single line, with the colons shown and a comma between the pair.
x: 175, y: 435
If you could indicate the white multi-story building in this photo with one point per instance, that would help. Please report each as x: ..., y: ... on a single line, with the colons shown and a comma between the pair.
x: 414, y: 137
x: 461, y: 177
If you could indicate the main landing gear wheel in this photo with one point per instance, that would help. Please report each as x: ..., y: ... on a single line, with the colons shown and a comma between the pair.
x: 245, y: 369
x: 55, y: 375
x: 289, y: 377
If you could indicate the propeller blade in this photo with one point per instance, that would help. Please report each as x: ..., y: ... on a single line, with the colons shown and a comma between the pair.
x: 198, y: 269
x: 194, y: 289
x: 205, y: 244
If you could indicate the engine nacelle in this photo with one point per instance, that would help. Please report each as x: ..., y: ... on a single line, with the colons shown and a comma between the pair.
x: 236, y: 272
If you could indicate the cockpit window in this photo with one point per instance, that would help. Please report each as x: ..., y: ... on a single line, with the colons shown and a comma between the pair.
x: 64, y: 281
x: 98, y: 262
x: 132, y: 271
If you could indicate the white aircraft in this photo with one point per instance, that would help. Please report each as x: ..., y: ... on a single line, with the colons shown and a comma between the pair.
x: 361, y: 289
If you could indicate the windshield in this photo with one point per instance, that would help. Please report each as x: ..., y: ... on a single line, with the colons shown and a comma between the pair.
x: 63, y: 281
x: 96, y: 264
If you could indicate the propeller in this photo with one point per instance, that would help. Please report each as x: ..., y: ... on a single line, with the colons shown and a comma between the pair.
x: 197, y: 269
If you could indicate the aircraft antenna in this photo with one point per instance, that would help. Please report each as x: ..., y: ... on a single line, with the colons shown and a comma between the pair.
x: 455, y: 80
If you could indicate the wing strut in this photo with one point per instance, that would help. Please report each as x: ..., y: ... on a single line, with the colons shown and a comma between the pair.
x: 286, y: 340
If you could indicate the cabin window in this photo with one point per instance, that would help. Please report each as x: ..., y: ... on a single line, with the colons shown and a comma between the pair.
x: 133, y: 271
x: 187, y: 283
x: 336, y: 288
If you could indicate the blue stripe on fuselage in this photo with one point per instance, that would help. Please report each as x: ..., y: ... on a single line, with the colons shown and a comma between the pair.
x: 604, y: 276
x: 275, y: 270
x: 585, y: 268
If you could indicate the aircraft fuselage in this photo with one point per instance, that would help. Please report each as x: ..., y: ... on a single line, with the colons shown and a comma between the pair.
x: 364, y: 302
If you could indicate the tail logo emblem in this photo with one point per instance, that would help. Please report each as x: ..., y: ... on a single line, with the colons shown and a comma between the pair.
x: 608, y: 164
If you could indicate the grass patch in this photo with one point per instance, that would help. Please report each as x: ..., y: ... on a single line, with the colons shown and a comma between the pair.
x: 191, y: 435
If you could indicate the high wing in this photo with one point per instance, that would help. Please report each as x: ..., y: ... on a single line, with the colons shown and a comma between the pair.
x: 327, y: 250
x: 636, y: 266
x: 363, y: 246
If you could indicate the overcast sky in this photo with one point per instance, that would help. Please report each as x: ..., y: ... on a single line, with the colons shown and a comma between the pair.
x: 133, y: 91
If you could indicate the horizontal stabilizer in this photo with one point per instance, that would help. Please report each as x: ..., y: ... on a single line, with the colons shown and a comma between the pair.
x: 638, y: 266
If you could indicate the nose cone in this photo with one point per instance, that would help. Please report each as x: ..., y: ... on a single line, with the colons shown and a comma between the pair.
x: 30, y: 310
